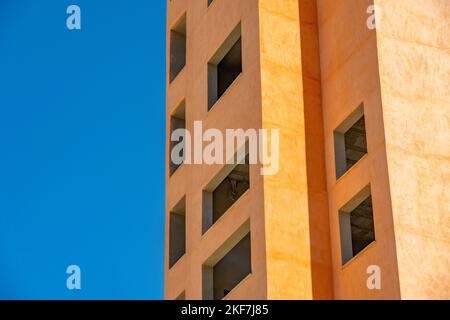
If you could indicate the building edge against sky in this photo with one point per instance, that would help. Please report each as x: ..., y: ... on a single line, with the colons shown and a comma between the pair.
x: 364, y: 150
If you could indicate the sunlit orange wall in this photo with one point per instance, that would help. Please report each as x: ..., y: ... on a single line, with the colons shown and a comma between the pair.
x: 413, y: 44
x: 295, y: 199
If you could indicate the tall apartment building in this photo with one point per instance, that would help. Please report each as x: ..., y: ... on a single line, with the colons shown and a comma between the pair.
x: 363, y: 185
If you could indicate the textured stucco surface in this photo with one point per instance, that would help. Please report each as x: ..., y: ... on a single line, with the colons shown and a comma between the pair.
x: 307, y: 65
x: 285, y: 194
x: 414, y: 62
x: 295, y: 200
x: 238, y: 108
x: 349, y: 75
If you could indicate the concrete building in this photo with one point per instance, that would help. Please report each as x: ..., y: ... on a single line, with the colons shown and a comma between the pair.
x: 364, y: 115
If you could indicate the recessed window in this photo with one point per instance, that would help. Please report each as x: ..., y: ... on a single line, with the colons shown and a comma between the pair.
x: 350, y: 141
x: 177, y: 48
x: 356, y: 224
x: 228, y: 266
x: 177, y: 137
x: 177, y: 232
x: 225, y: 189
x: 209, y: 2
x: 182, y: 296
x: 225, y: 66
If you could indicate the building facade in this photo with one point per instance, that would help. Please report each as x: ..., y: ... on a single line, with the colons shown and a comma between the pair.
x: 359, y: 91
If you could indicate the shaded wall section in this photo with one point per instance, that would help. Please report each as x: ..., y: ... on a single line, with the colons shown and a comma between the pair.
x: 350, y: 79
x: 321, y: 273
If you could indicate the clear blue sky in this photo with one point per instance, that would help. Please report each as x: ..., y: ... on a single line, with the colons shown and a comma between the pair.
x: 82, y: 149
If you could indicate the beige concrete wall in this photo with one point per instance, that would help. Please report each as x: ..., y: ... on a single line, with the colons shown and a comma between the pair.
x: 414, y: 58
x: 289, y: 261
x: 319, y: 228
x: 349, y: 76
x: 295, y: 201
x: 305, y: 70
x: 239, y: 107
x: 285, y: 194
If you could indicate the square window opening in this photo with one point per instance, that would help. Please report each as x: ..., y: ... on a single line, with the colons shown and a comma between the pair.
x: 222, y: 193
x: 350, y: 142
x: 177, y: 48
x: 228, y: 266
x: 177, y: 138
x: 177, y: 232
x: 182, y: 296
x: 356, y: 224
x: 225, y: 66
